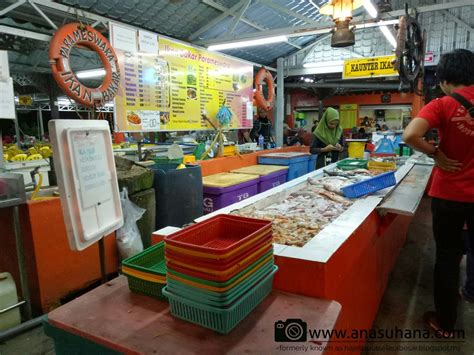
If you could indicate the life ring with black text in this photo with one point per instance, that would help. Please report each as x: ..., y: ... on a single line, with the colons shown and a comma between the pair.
x: 63, y: 41
x: 263, y: 75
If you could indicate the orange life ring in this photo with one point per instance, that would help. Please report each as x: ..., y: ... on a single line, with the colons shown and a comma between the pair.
x: 262, y: 102
x: 60, y: 48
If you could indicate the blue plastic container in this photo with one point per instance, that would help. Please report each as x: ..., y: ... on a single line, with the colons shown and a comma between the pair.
x: 368, y: 186
x: 312, y: 163
x: 297, y: 162
x: 385, y: 146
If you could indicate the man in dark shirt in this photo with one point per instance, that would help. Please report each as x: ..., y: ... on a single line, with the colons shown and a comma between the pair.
x: 262, y: 126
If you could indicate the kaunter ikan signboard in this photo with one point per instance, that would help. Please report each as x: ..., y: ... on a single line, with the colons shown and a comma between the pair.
x: 369, y: 67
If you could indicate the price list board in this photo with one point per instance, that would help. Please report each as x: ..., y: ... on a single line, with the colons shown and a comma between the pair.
x: 171, y: 90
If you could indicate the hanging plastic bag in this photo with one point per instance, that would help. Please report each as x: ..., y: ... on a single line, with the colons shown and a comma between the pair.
x: 129, y: 241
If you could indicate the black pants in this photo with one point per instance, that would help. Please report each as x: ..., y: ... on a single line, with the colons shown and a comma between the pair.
x: 449, y: 218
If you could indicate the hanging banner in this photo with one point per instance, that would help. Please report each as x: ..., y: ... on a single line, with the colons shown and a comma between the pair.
x: 171, y: 90
x: 358, y: 68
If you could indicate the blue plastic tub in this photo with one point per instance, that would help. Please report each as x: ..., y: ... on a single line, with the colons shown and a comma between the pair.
x: 297, y: 163
x: 312, y: 163
x: 368, y: 186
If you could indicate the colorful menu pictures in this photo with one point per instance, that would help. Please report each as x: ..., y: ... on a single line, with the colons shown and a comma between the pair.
x: 172, y: 90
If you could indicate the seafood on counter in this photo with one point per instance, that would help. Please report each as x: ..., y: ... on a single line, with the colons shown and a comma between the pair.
x: 300, y: 216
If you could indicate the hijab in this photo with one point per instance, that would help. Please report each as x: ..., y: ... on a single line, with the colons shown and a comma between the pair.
x: 324, y: 133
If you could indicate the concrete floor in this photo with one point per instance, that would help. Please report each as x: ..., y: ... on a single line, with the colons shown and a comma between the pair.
x: 408, y: 296
x: 409, y: 292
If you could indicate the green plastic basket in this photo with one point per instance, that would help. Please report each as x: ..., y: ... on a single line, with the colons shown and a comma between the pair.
x: 213, y: 298
x: 228, y: 282
x: 221, y: 320
x: 351, y: 164
x: 150, y: 261
x: 165, y: 160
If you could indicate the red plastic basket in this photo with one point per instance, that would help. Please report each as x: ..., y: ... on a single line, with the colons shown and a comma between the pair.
x: 219, y: 237
x: 219, y: 275
x: 218, y: 264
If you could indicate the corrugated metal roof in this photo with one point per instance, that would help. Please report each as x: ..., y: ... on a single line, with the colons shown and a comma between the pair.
x: 181, y: 18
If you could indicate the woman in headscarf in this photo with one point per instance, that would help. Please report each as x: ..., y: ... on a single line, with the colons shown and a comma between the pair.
x: 327, y: 142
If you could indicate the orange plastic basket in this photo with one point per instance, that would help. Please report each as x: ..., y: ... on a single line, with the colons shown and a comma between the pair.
x: 228, y: 286
x: 219, y: 237
x: 217, y: 275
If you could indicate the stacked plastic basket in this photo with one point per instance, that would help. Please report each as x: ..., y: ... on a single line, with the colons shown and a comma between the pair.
x: 146, y: 271
x: 219, y: 270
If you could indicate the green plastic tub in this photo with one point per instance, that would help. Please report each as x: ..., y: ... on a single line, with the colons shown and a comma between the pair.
x: 221, y: 320
x: 214, y: 298
x: 351, y: 164
x: 150, y: 262
x: 228, y: 282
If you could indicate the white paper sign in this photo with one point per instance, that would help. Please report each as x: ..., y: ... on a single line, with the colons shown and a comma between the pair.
x: 7, y: 99
x: 249, y: 115
x: 150, y: 120
x: 89, y: 155
x: 147, y: 42
x: 4, y: 70
x: 124, y: 38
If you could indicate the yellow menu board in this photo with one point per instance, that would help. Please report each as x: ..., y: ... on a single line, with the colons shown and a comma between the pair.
x: 171, y: 90
x: 369, y: 67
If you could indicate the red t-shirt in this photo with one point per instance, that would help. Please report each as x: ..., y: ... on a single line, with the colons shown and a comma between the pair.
x: 456, y: 133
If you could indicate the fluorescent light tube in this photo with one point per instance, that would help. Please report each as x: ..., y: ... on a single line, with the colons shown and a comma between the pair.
x: 93, y: 73
x: 370, y: 8
x: 255, y: 42
x: 388, y: 35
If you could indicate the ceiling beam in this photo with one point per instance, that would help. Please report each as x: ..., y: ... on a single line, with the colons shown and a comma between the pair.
x: 347, y: 85
x: 226, y: 12
x: 238, y: 16
x: 224, y: 9
x: 17, y: 67
x: 429, y: 8
x: 11, y: 7
x: 43, y: 15
x: 287, y: 11
x: 456, y: 19
x: 24, y: 33
x: 244, y: 20
x: 325, y: 27
x: 295, y: 31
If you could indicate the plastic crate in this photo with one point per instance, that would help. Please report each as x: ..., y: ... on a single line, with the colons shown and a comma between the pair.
x: 218, y: 265
x: 216, y: 301
x: 382, y: 166
x: 351, y: 164
x: 219, y: 237
x: 297, y: 163
x: 370, y: 185
x: 220, y: 296
x: 146, y: 271
x: 219, y: 286
x: 222, y: 320
x: 221, y: 276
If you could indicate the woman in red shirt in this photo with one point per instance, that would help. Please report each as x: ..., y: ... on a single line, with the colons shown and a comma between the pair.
x: 452, y: 188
